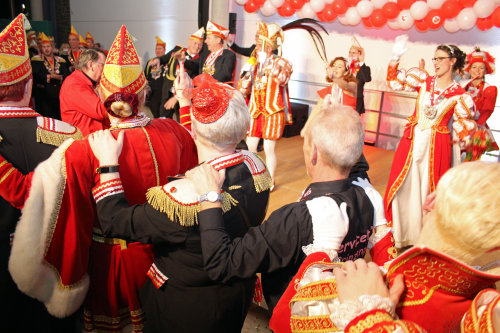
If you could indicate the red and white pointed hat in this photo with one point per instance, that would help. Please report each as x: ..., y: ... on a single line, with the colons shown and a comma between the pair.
x: 123, y: 70
x: 217, y: 30
x: 15, y: 63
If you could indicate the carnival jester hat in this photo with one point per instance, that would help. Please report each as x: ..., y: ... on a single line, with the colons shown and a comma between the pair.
x: 217, y: 30
x: 270, y: 34
x: 210, y: 98
x: 198, y: 34
x: 15, y: 63
x: 89, y: 36
x: 481, y: 56
x: 73, y: 32
x: 159, y: 42
x: 82, y: 41
x: 122, y: 77
x: 45, y: 39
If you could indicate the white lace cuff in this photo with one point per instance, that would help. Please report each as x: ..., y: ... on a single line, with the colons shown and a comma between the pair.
x: 380, y: 232
x: 348, y: 310
x: 312, y: 248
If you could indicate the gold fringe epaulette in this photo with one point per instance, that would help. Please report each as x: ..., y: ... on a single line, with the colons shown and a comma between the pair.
x: 186, y: 214
x: 54, y: 138
x: 263, y: 180
x: 36, y: 58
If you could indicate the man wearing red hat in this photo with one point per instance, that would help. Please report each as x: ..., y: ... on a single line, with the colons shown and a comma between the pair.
x: 180, y: 288
x: 80, y: 102
x: 49, y: 72
x: 215, y: 60
x: 89, y: 39
x: 79, y: 264
x: 26, y: 139
x: 155, y: 74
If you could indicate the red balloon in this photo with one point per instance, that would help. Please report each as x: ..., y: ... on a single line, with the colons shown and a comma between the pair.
x: 485, y: 23
x: 421, y: 25
x: 329, y: 13
x: 297, y: 4
x: 390, y: 10
x: 259, y: 2
x: 450, y: 9
x: 352, y: 3
x: 378, y: 19
x: 286, y: 9
x: 496, y: 17
x: 467, y: 3
x: 339, y: 6
x: 405, y: 4
x: 367, y: 22
x: 434, y: 19
x: 251, y: 6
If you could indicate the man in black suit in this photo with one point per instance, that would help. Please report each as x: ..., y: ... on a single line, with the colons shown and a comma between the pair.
x: 169, y: 104
x: 215, y: 59
x: 362, y: 73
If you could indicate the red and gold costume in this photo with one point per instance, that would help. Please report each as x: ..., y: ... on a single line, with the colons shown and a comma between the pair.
x: 428, y: 148
x: 484, y: 94
x: 75, y: 262
x: 74, y: 54
x: 269, y: 109
x: 435, y: 283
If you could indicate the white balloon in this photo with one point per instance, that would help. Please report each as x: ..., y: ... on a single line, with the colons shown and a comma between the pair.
x: 466, y: 18
x: 419, y: 10
x: 364, y: 8
x: 435, y: 4
x: 317, y: 5
x: 277, y: 3
x: 343, y: 19
x: 484, y: 8
x: 379, y: 3
x: 393, y: 24
x: 241, y: 2
x: 451, y: 25
x: 352, y: 16
x: 405, y: 19
x: 268, y: 9
x: 307, y: 11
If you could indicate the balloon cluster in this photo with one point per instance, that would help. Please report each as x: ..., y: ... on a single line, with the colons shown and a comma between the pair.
x: 452, y: 15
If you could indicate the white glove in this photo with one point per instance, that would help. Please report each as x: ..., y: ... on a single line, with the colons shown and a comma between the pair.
x: 376, y: 200
x: 399, y: 47
x: 247, y: 68
x: 261, y: 57
x: 330, y: 223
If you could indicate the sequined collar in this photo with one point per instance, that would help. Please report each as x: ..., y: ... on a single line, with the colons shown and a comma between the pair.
x: 17, y: 112
x: 139, y: 121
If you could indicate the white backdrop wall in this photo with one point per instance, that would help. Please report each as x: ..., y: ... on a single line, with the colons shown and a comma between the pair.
x: 172, y: 20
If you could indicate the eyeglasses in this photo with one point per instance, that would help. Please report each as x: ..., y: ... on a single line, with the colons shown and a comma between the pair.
x: 99, y: 63
x: 439, y: 59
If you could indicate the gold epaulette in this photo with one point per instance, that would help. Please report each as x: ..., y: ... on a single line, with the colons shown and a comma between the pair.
x: 261, y: 177
x: 180, y: 201
x: 55, y: 132
x: 36, y: 58
x: 60, y: 59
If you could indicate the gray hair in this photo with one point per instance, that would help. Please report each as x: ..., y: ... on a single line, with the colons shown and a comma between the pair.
x: 338, y: 135
x: 87, y: 56
x: 231, y: 127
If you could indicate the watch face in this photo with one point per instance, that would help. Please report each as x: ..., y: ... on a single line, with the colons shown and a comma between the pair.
x: 212, y: 196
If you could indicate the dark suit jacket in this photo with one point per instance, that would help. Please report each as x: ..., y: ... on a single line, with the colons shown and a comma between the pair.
x: 224, y: 65
x: 363, y: 76
x: 244, y: 51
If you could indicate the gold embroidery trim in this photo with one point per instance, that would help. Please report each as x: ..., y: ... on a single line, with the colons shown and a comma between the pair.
x: 153, y: 155
x: 7, y: 174
x: 310, y: 324
x: 186, y: 214
x: 262, y: 180
x: 370, y: 321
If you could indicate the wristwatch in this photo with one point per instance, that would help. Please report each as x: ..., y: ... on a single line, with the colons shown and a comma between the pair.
x: 211, y: 196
